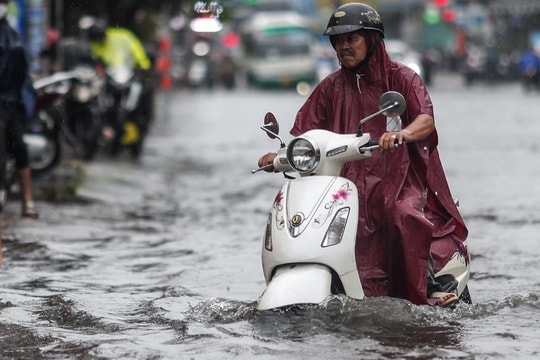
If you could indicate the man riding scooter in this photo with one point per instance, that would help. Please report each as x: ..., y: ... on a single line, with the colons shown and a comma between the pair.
x: 119, y: 47
x: 408, y: 223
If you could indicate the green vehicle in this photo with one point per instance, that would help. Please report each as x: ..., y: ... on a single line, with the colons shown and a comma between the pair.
x: 278, y: 50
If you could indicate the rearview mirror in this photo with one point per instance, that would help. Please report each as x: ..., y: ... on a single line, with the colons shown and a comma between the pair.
x: 271, y: 125
x: 392, y: 103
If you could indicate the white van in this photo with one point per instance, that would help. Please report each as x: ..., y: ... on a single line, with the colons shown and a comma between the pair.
x: 278, y: 50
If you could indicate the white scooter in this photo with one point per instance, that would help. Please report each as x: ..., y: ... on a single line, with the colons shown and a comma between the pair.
x: 309, y: 245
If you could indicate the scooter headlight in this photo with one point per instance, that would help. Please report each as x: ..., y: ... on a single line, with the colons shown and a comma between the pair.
x: 336, y: 229
x: 303, y: 155
x: 82, y: 93
x: 119, y: 75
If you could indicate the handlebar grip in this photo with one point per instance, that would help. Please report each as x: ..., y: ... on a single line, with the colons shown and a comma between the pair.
x: 375, y: 143
x: 264, y: 168
x: 372, y: 143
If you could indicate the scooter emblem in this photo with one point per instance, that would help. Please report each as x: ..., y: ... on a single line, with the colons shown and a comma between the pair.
x: 297, y: 219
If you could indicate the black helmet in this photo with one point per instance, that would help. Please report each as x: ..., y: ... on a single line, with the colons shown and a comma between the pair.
x: 96, y: 31
x: 352, y: 17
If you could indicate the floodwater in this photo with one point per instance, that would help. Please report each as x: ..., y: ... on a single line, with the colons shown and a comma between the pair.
x: 161, y: 259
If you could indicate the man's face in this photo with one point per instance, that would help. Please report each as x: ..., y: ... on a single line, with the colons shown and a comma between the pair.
x: 351, y: 49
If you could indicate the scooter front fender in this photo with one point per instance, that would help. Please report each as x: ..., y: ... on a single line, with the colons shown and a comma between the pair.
x: 296, y: 284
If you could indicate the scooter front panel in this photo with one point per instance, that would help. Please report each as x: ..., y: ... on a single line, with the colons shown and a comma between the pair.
x: 300, y: 218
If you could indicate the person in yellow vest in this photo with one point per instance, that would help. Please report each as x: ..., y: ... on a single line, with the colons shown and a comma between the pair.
x: 116, y: 46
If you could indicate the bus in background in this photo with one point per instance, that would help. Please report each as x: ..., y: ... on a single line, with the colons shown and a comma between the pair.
x: 278, y: 50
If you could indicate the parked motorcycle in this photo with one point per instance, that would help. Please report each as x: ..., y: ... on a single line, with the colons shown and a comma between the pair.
x: 42, y: 134
x: 308, y: 250
x: 128, y: 112
x: 68, y: 109
x: 84, y: 107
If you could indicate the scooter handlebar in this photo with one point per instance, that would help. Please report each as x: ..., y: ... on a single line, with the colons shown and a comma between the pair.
x: 374, y: 144
x: 280, y: 163
x: 266, y: 167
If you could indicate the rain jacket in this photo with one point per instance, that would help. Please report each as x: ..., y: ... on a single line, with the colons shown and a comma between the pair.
x: 406, y: 207
x: 17, y: 93
x: 121, y: 47
x: 14, y: 63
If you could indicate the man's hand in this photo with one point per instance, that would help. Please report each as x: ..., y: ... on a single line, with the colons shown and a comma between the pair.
x: 422, y: 126
x: 266, y: 160
x: 391, y: 140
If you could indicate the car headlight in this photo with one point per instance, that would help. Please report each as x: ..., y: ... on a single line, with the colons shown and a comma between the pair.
x: 303, y: 155
x: 120, y: 76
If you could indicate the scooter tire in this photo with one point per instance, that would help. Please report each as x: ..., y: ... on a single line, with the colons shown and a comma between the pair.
x: 88, y: 135
x: 136, y: 150
x: 90, y: 149
x: 41, y: 168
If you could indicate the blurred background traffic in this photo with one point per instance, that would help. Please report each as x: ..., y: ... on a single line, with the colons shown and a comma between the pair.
x: 88, y: 108
x: 231, y: 43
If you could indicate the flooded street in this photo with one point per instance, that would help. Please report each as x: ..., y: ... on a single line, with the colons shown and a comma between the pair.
x: 161, y: 259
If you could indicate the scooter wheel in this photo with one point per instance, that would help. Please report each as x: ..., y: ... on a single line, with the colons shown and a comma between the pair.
x: 48, y: 158
x: 136, y: 150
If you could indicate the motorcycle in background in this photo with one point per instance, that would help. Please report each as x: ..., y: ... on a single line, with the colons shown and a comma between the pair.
x: 308, y: 250
x: 42, y: 135
x: 199, y: 73
x: 42, y: 141
x: 68, y: 109
x: 127, y: 114
x: 204, y: 26
x: 83, y: 108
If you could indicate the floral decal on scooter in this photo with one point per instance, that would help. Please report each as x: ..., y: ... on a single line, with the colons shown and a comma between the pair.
x: 463, y: 253
x: 277, y: 208
x: 338, y: 198
x: 342, y: 194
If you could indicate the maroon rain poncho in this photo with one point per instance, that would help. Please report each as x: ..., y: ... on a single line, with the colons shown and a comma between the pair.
x: 406, y: 207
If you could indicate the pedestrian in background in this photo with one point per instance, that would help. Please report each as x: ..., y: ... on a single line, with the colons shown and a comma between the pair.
x: 529, y: 66
x: 17, y: 99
